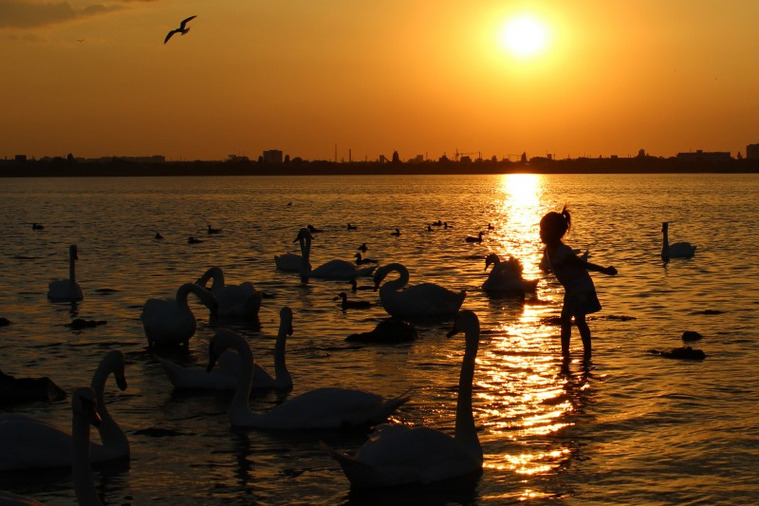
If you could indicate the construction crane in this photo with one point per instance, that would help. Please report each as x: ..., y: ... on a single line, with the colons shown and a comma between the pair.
x: 469, y: 154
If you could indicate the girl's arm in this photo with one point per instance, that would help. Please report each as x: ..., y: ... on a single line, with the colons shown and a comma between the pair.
x: 574, y: 259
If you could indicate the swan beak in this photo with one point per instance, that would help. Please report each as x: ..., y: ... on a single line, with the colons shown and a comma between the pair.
x: 121, y: 382
x: 92, y: 413
x: 453, y: 331
x: 212, y: 357
x: 336, y: 299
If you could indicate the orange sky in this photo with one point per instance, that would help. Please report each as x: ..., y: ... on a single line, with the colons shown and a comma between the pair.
x: 420, y: 77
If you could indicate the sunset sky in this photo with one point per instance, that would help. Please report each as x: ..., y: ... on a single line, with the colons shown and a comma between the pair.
x: 579, y: 78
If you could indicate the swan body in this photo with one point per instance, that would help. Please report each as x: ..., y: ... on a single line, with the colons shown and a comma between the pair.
x: 67, y: 289
x: 506, y: 277
x: 676, y: 250
x: 322, y: 408
x: 29, y: 443
x: 426, y: 299
x: 235, y: 301
x: 170, y: 321
x: 334, y: 269
x: 398, y: 454
x: 225, y: 376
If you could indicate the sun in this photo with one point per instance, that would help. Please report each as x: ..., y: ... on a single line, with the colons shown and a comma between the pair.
x: 524, y: 36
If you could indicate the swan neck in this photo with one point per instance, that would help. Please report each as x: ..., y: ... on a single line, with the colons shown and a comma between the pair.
x: 80, y: 461
x: 245, y: 380
x: 72, y: 268
x: 465, y: 431
x: 111, y: 434
x: 281, y: 372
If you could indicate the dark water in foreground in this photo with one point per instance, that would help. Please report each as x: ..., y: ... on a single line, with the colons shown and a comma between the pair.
x: 634, y: 429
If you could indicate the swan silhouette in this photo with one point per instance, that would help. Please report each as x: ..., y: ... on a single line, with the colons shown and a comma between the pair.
x: 170, y: 321
x: 212, y: 230
x: 399, y: 454
x: 183, y: 28
x: 67, y: 289
x: 321, y: 408
x: 235, y: 301
x: 225, y: 377
x: 426, y: 299
x: 29, y: 443
x: 290, y: 262
x: 506, y: 277
x: 676, y: 250
x: 334, y: 269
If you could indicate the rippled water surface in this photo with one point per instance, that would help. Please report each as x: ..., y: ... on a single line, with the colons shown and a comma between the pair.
x: 634, y: 428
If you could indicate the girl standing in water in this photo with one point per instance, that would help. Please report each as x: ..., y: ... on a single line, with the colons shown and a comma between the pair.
x: 580, y: 297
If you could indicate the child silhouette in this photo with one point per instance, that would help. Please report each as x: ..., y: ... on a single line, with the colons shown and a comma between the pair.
x: 580, y: 297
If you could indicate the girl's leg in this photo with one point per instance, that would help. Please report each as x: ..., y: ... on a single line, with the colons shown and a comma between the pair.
x: 566, y: 331
x: 582, y: 326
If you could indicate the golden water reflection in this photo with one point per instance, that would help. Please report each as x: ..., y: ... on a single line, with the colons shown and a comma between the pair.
x: 525, y: 396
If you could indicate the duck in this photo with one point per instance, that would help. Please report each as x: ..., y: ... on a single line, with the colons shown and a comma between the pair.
x: 235, y: 301
x: 438, y: 223
x: 363, y: 248
x: 506, y: 277
x: 396, y: 233
x: 430, y: 229
x: 37, y: 226
x: 676, y: 250
x: 351, y: 304
x: 29, y: 443
x: 397, y: 454
x: 320, y: 408
x: 490, y: 226
x: 170, y: 321
x: 426, y: 299
x: 351, y: 227
x: 475, y: 239
x: 225, y: 377
x: 290, y: 262
x: 193, y: 240
x: 361, y: 260
x: 212, y: 230
x: 334, y: 269
x: 67, y: 289
x: 158, y: 236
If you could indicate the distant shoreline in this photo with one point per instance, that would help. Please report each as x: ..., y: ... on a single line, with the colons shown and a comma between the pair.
x: 60, y: 167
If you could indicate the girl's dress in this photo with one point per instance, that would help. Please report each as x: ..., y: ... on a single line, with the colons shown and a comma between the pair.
x: 580, y: 293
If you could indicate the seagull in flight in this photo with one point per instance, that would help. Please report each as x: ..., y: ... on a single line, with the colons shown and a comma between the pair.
x: 182, y: 29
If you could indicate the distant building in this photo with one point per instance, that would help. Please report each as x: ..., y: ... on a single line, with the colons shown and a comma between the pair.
x: 272, y: 156
x: 237, y: 159
x: 20, y: 158
x: 704, y: 156
x: 752, y: 151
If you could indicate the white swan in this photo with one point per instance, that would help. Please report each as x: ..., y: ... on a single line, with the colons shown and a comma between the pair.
x: 506, y: 277
x: 398, y: 454
x: 225, y: 377
x: 321, y: 408
x: 235, y: 301
x: 67, y: 289
x: 334, y: 269
x: 83, y: 413
x: 170, y: 321
x: 676, y: 250
x: 290, y: 262
x: 29, y: 443
x: 426, y: 299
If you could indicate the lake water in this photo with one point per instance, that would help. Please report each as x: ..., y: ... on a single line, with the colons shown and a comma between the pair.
x: 635, y: 428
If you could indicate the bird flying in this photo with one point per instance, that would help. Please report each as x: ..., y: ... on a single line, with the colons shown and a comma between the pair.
x: 182, y: 29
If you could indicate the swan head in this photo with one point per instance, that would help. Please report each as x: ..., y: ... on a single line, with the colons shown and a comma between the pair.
x: 74, y: 252
x: 286, y: 315
x: 219, y: 343
x: 664, y: 226
x: 466, y: 321
x: 491, y: 259
x: 341, y: 295
x: 84, y: 404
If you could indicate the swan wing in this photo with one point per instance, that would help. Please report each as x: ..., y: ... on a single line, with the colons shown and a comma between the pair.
x: 289, y: 262
x: 166, y: 323
x: 29, y: 443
